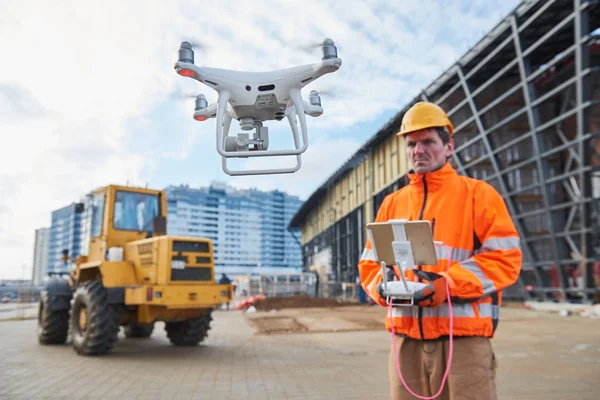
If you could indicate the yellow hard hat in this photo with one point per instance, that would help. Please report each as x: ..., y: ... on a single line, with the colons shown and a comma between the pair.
x: 424, y: 115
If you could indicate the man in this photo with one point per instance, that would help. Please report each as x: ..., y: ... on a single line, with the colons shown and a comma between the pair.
x: 470, y: 217
x: 225, y: 281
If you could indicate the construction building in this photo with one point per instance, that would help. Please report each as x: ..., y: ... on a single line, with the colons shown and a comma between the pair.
x: 524, y: 103
x: 65, y: 234
x: 247, y: 226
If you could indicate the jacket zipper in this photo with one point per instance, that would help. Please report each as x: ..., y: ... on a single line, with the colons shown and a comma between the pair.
x: 420, y: 312
x: 424, y: 198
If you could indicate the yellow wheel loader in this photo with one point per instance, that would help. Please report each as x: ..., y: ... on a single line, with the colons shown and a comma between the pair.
x: 133, y: 275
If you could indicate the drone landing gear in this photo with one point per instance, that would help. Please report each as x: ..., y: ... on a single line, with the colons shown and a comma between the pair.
x: 239, y: 146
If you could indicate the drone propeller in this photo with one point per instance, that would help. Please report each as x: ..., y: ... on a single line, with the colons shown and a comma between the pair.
x: 326, y: 93
x: 186, y: 51
x: 179, y: 94
x: 312, y: 45
x: 196, y: 45
x: 327, y: 47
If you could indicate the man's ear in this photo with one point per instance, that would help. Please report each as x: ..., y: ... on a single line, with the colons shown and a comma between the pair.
x: 449, y: 147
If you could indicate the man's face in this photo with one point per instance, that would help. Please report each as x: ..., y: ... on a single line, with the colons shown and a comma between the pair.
x: 426, y: 151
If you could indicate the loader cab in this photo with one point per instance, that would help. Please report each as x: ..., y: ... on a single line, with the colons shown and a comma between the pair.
x: 118, y: 215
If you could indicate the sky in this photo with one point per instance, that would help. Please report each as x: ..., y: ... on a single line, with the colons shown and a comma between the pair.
x: 89, y: 96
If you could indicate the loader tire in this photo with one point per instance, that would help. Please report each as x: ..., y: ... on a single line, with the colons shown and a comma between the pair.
x: 53, y: 325
x: 139, y: 330
x: 189, y: 332
x: 94, y: 323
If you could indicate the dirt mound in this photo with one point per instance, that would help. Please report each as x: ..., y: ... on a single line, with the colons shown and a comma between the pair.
x: 276, y: 324
x: 317, y: 320
x: 279, y: 303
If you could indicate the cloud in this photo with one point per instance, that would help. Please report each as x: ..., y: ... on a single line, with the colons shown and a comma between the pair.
x: 17, y: 103
x: 91, y: 70
x: 84, y: 94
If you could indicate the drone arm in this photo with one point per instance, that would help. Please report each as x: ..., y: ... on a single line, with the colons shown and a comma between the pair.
x: 205, y: 113
x: 325, y: 67
x: 312, y: 110
x: 190, y: 70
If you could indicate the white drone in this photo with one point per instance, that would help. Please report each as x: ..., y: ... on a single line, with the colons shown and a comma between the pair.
x: 255, y: 97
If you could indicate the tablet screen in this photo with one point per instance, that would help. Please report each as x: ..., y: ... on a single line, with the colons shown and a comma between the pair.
x: 417, y: 232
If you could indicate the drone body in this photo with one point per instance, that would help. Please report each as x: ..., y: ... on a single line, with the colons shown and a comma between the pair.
x: 252, y: 98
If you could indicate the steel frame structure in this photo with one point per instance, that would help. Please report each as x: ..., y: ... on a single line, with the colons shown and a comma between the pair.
x: 525, y: 105
x: 525, y: 108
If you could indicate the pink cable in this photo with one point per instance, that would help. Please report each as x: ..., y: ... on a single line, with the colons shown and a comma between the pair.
x: 450, y: 350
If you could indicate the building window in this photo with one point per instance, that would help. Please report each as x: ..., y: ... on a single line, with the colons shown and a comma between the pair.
x: 97, y: 214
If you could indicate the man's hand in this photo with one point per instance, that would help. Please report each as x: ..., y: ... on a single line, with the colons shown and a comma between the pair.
x: 391, y: 276
x: 436, y: 291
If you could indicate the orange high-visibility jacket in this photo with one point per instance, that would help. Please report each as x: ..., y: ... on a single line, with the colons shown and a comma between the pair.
x: 471, y: 217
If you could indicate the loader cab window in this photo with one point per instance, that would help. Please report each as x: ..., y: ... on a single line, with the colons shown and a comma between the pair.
x: 97, y: 215
x: 135, y: 211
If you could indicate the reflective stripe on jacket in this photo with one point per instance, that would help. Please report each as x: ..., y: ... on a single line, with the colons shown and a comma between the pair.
x: 471, y: 218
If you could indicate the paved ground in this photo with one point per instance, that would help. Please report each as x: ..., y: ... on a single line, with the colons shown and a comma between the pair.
x: 541, y: 356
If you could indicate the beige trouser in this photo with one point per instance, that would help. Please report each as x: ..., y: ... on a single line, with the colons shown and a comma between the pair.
x: 423, y: 364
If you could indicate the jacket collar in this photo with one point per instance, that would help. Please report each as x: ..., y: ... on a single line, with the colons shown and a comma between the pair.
x: 434, y: 179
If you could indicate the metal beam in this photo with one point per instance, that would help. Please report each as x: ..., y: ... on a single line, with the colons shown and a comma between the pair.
x: 581, y: 95
x: 536, y: 14
x: 522, y: 110
x: 541, y: 40
x: 501, y: 98
x: 560, y: 234
x: 522, y: 229
x: 506, y: 120
x: 494, y: 77
x: 542, y: 128
x: 449, y: 92
x: 564, y: 54
x: 464, y: 123
x: 566, y: 115
x: 456, y: 108
x: 455, y: 156
x: 459, y: 163
x: 578, y: 171
x: 499, y: 149
x: 487, y: 58
x: 542, y: 164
